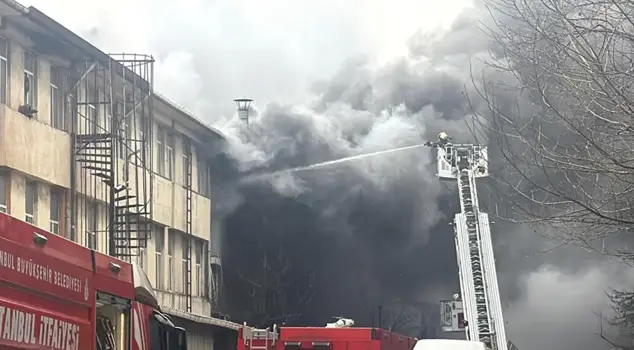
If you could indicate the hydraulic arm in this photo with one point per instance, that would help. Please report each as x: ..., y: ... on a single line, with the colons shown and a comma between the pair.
x: 480, y: 296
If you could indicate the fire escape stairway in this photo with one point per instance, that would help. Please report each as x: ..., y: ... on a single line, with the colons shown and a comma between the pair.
x: 131, y: 227
x: 465, y: 183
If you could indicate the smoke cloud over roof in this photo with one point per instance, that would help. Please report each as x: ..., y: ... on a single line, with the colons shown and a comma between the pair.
x: 342, y: 240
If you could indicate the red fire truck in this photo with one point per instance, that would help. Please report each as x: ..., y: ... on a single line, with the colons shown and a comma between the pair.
x: 345, y: 338
x: 56, y: 294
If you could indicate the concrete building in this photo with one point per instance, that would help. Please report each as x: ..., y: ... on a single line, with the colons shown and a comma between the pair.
x: 89, y: 152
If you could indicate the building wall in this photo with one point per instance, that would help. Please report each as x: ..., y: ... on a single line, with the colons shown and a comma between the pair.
x: 37, y: 151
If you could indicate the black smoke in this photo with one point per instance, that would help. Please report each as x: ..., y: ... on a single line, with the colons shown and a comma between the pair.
x: 376, y: 232
x: 358, y: 235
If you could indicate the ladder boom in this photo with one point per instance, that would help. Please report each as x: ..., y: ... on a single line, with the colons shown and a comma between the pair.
x: 474, y: 249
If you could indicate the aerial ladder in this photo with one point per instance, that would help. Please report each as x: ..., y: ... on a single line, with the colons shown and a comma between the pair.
x: 477, y: 311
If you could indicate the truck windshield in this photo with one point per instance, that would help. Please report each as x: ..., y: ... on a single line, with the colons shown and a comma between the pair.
x: 164, y: 335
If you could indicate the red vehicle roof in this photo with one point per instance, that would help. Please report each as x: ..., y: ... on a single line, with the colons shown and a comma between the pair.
x: 346, y: 338
x: 335, y: 334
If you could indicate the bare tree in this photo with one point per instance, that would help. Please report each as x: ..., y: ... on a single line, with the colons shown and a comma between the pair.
x: 277, y: 291
x: 562, y: 147
x: 390, y: 313
x: 400, y: 317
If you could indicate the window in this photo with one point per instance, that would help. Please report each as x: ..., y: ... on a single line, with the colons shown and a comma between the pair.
x: 108, y: 124
x: 160, y: 145
x: 4, y: 70
x: 165, y: 153
x: 91, y: 115
x: 107, y: 118
x: 169, y: 156
x: 58, y: 119
x: 200, y: 278
x: 170, y: 261
x: 159, y: 241
x: 30, y: 79
x: 129, y: 137
x: 56, y: 206
x: 186, y: 163
x: 184, y: 261
x: 184, y: 275
x: 204, y: 177
x: 4, y: 182
x: 185, y: 170
x: 122, y: 139
x: 30, y: 198
x: 91, y: 225
x: 124, y: 125
x: 140, y: 259
x: 143, y: 142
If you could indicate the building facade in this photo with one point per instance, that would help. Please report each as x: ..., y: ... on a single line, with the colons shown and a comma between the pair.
x: 90, y: 152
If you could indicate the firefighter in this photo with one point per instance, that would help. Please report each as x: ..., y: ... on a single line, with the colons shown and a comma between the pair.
x: 443, y: 139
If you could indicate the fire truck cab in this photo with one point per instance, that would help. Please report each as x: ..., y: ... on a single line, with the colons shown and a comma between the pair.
x: 56, y: 294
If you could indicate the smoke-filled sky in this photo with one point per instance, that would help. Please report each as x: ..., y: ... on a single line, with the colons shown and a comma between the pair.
x: 337, y: 78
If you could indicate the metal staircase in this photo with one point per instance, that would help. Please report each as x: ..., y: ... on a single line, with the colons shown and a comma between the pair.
x: 110, y: 102
x: 466, y: 185
x: 128, y: 225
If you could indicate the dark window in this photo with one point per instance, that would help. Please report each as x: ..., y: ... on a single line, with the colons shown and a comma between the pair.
x: 30, y: 194
x: 160, y: 154
x: 4, y: 70
x: 91, y: 226
x: 30, y: 79
x: 58, y: 120
x: 56, y: 206
x: 3, y: 193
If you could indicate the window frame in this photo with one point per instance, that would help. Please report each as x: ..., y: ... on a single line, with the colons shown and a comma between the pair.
x: 58, y: 119
x: 5, y: 182
x: 141, y: 258
x: 187, y: 154
x: 200, y: 284
x: 171, y: 242
x: 158, y: 258
x: 199, y: 251
x: 91, y: 238
x: 160, y: 152
x: 122, y: 137
x: 204, y: 178
x: 169, y: 156
x: 55, y: 222
x: 30, y: 96
x: 92, y: 118
x: 30, y: 217
x: 4, y: 71
x: 184, y: 275
x: 185, y: 241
